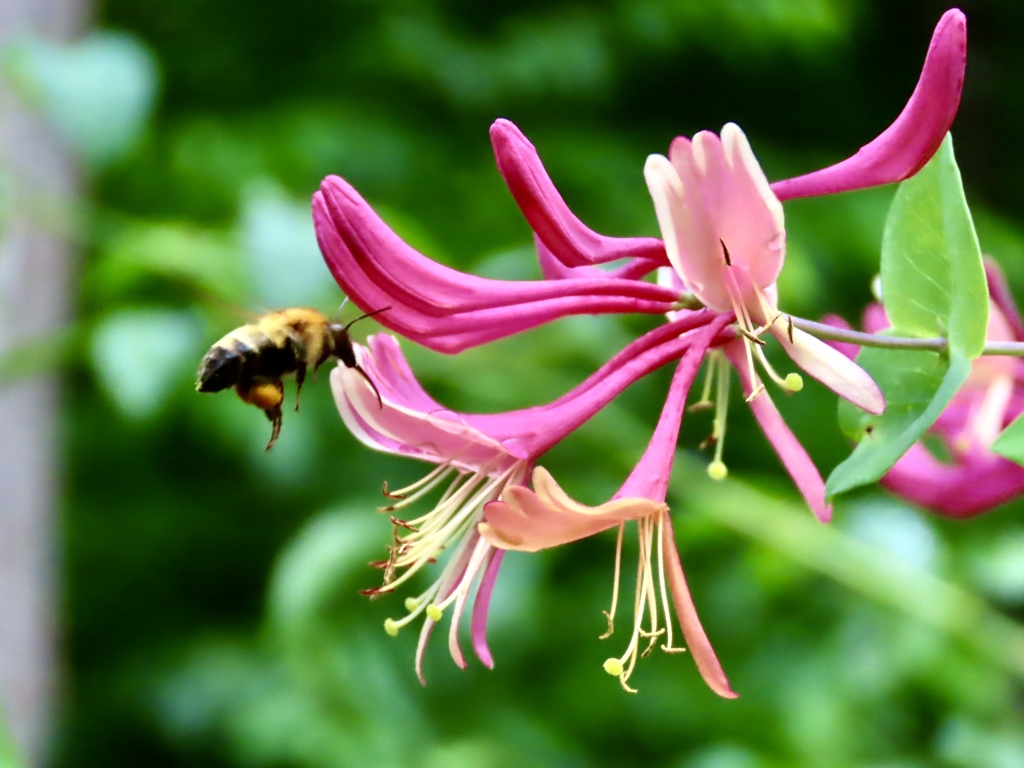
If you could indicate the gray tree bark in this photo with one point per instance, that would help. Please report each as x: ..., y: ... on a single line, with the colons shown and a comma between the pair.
x: 34, y: 271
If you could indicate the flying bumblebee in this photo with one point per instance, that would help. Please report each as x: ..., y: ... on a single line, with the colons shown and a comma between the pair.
x: 255, y: 357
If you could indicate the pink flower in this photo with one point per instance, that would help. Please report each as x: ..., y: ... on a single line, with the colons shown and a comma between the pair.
x: 723, y: 247
x: 896, y: 154
x: 971, y: 479
x: 478, y: 456
x: 544, y: 517
x: 440, y: 307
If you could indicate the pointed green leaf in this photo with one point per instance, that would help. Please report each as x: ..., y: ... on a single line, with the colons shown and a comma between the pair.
x: 917, y: 387
x: 1011, y: 442
x: 933, y: 285
x: 933, y: 281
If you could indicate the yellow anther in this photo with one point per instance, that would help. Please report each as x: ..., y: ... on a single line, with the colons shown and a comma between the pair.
x: 613, y: 667
x: 411, y: 604
x: 794, y: 382
x: 717, y: 470
x: 391, y: 627
x: 434, y: 613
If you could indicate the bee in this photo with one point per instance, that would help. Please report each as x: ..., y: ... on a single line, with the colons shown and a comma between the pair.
x: 256, y: 357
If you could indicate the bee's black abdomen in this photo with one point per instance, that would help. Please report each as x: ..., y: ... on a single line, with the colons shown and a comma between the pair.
x: 220, y: 368
x: 273, y: 362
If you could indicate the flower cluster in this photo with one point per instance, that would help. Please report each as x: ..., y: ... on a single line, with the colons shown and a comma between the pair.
x: 967, y: 477
x: 722, y: 247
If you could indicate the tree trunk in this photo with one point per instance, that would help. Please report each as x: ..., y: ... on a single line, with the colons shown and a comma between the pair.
x: 34, y: 269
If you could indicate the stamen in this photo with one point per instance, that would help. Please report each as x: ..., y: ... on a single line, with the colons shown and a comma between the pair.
x: 610, y: 613
x: 668, y: 646
x: 717, y: 469
x: 455, y: 514
x: 792, y: 382
x: 705, y: 396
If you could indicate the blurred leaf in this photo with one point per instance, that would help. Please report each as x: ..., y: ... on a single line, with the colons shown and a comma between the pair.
x: 280, y: 249
x: 1010, y: 442
x: 39, y: 356
x: 930, y: 599
x: 140, y: 355
x: 329, y: 554
x: 205, y: 261
x: 933, y: 280
x: 998, y: 566
x: 917, y: 387
x: 98, y: 92
x: 8, y: 752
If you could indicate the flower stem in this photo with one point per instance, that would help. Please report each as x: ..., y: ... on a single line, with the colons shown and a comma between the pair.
x: 935, y: 344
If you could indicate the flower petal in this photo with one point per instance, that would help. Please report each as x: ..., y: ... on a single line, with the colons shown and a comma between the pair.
x: 692, y: 245
x: 961, y: 490
x: 478, y: 626
x: 794, y: 458
x: 443, y: 308
x: 906, y: 145
x: 568, y: 239
x: 831, y: 367
x: 531, y: 520
x: 717, y: 214
x: 696, y: 639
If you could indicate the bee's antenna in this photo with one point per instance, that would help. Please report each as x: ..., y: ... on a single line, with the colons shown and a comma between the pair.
x: 363, y: 317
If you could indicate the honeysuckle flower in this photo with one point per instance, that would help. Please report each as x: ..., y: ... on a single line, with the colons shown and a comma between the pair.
x: 443, y: 308
x: 970, y: 479
x: 896, y: 154
x: 544, y: 517
x: 722, y: 248
x: 724, y: 235
x: 478, y: 456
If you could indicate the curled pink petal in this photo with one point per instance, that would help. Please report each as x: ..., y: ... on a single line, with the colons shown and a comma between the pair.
x: 697, y: 641
x: 1003, y: 300
x: 531, y: 520
x: 568, y: 239
x: 443, y: 308
x: 906, y: 145
x: 718, y: 216
x: 794, y: 458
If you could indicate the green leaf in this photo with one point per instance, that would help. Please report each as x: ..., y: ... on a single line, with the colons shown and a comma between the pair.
x: 1011, y: 442
x: 933, y: 285
x: 933, y: 280
x: 141, y: 357
x: 98, y: 92
x: 917, y: 387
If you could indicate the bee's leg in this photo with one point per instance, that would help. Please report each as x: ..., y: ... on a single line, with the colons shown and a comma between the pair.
x: 274, y: 414
x: 300, y: 376
x: 267, y: 397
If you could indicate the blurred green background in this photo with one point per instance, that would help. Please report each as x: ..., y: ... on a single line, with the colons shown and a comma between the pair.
x: 209, y: 603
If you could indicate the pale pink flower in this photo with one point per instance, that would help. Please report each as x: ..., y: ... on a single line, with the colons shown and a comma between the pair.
x: 477, y: 457
x: 544, y: 517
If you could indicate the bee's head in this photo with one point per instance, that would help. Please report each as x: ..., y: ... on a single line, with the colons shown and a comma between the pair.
x: 343, y: 342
